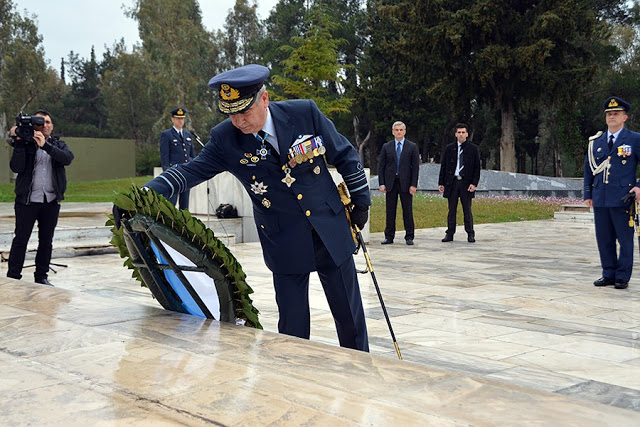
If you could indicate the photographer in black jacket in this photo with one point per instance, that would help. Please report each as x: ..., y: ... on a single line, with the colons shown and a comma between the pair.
x: 41, y: 182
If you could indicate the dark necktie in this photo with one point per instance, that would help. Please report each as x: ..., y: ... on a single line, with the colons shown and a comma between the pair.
x: 610, y: 142
x: 460, y: 159
x: 398, y: 154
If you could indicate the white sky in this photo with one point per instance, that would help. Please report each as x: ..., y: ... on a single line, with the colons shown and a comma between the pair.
x: 77, y: 25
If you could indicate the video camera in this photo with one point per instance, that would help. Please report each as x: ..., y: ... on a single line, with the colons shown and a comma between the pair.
x: 25, y: 124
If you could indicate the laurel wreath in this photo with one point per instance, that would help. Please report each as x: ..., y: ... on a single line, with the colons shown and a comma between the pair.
x: 148, y: 202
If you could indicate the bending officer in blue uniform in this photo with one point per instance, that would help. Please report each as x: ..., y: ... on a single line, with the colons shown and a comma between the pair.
x: 280, y: 151
x: 609, y: 174
x: 176, y: 147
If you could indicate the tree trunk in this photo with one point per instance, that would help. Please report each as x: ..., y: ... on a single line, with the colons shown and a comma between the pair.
x: 508, y: 139
x: 557, y: 157
x: 360, y: 143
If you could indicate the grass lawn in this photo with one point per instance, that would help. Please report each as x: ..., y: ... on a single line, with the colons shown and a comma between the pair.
x: 429, y: 211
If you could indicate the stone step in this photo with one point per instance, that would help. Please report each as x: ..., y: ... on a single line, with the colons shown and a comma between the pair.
x: 575, y: 208
x: 582, y: 217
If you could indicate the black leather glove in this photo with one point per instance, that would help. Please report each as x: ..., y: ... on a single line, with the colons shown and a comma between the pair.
x: 118, y: 214
x: 629, y: 198
x: 359, y: 215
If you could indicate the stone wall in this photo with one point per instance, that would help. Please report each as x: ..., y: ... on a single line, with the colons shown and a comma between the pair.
x: 502, y: 183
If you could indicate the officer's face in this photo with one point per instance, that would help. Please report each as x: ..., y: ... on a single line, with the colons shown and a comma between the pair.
x: 252, y: 120
x: 178, y: 122
x: 616, y: 119
x: 47, y: 128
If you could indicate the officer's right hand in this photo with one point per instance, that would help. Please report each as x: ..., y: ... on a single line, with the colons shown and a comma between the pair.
x: 359, y: 215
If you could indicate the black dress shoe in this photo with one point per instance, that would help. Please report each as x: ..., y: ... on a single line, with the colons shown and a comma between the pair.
x: 471, y: 239
x: 621, y: 284
x: 604, y: 281
x: 447, y: 238
x: 44, y: 282
x: 386, y: 242
x: 410, y: 242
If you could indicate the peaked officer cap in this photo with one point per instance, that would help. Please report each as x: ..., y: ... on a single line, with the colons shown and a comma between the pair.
x: 237, y: 88
x: 613, y: 103
x: 179, y: 112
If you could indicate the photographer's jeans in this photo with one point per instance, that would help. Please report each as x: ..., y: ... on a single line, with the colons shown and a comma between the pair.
x: 26, y: 215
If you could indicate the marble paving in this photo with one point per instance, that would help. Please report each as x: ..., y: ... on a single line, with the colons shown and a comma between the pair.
x: 509, y: 330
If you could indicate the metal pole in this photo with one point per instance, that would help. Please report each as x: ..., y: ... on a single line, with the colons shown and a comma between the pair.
x: 375, y: 283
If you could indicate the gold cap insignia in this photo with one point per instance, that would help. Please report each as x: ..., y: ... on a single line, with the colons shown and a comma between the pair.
x: 613, y: 103
x: 228, y: 93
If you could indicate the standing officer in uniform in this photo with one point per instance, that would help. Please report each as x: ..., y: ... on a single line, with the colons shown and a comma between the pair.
x: 280, y: 152
x: 398, y: 176
x: 609, y: 174
x: 176, y: 147
x: 40, y: 186
x: 459, y: 177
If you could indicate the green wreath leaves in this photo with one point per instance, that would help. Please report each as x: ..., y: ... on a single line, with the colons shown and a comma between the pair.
x: 148, y: 202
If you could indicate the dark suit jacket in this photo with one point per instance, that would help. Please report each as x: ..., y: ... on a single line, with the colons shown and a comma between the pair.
x: 471, y: 171
x: 284, y: 216
x: 622, y: 176
x: 409, y: 165
x: 175, y: 149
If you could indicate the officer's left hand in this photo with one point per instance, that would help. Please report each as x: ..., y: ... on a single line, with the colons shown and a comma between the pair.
x: 118, y: 215
x: 637, y: 191
x: 359, y: 215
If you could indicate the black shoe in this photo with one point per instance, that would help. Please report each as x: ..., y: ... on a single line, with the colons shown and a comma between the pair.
x: 410, y: 242
x: 447, y: 238
x: 471, y: 239
x: 604, y: 281
x: 621, y: 284
x: 44, y: 282
x: 386, y: 242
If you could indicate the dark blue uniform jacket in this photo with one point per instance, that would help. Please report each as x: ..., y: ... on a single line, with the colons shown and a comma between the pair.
x: 175, y: 149
x: 284, y: 215
x: 622, y: 174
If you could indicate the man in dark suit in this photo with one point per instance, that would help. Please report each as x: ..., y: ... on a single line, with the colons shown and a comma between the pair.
x: 398, y: 176
x: 459, y: 177
x: 176, y: 147
x: 609, y: 175
x: 280, y: 152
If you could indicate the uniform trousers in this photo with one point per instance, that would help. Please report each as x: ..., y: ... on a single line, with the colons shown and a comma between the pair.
x: 406, y: 201
x: 26, y: 215
x: 613, y: 224
x: 340, y: 284
x: 460, y: 191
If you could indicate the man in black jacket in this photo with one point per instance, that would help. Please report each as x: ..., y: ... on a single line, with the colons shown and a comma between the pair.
x: 398, y: 176
x: 40, y: 186
x: 459, y: 176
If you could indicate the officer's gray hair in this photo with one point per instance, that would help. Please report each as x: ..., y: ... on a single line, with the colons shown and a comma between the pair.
x: 399, y: 124
x: 262, y: 90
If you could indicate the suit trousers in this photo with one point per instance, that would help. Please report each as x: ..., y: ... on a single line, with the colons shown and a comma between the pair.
x: 26, y: 215
x: 459, y: 191
x: 340, y: 284
x: 406, y: 201
x: 183, y: 200
x: 613, y: 224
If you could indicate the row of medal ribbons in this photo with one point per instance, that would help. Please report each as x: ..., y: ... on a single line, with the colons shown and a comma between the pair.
x: 305, y: 148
